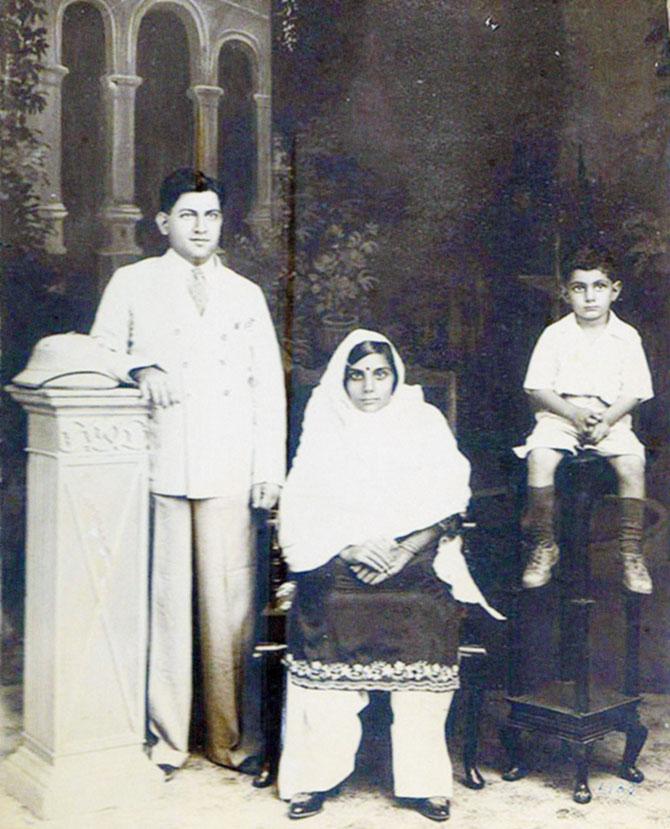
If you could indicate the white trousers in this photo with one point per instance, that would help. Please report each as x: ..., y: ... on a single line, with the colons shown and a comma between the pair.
x: 323, y: 732
x: 212, y: 539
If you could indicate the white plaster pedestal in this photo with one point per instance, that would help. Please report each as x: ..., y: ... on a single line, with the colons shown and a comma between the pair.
x: 86, y: 604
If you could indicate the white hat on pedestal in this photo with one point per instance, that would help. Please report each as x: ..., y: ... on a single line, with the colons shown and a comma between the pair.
x: 68, y: 361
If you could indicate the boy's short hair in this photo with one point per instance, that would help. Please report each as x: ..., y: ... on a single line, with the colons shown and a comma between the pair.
x: 590, y: 258
x: 187, y: 180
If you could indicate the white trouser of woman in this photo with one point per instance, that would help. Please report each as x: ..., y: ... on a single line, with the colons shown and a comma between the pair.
x: 322, y: 732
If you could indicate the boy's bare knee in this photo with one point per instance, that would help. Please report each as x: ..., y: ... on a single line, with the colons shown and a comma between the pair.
x: 542, y: 465
x: 630, y: 474
x: 628, y: 466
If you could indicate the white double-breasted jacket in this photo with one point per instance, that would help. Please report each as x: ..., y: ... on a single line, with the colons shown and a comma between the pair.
x: 228, y: 430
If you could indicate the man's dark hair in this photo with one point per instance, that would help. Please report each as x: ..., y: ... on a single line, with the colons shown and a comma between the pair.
x: 591, y: 258
x: 187, y: 180
x: 368, y: 347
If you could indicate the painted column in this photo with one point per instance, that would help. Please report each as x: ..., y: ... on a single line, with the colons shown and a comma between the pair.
x: 206, y: 104
x: 86, y: 604
x: 119, y: 213
x: 261, y: 215
x: 49, y: 120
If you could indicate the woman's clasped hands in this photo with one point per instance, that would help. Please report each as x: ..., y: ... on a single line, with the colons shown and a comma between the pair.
x: 376, y: 559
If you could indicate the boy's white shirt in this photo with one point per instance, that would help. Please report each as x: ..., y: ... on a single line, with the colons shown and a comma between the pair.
x: 608, y: 366
x: 228, y: 430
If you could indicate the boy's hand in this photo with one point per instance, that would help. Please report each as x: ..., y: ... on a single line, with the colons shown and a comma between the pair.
x: 597, y: 433
x: 155, y: 386
x: 584, y: 419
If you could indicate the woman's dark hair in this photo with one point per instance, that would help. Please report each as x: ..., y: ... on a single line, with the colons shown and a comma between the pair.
x: 372, y: 347
x: 187, y: 180
x: 592, y: 258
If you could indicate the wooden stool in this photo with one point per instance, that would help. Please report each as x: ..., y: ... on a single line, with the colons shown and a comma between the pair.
x: 571, y: 708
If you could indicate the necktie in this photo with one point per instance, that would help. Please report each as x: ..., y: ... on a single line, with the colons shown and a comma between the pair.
x: 197, y: 287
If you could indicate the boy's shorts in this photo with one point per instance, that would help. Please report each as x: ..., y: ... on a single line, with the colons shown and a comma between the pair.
x: 555, y: 432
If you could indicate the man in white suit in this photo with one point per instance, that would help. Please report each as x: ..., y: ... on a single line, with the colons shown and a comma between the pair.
x: 199, y: 341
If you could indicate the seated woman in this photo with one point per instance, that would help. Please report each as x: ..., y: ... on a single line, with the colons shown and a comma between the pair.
x: 377, y: 486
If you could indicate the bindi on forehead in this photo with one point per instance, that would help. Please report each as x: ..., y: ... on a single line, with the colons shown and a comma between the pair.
x: 368, y: 369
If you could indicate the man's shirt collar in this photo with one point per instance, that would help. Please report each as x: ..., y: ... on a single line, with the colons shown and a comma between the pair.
x: 180, y: 265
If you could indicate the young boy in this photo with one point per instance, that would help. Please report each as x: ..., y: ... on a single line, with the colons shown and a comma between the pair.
x: 199, y: 342
x: 586, y: 375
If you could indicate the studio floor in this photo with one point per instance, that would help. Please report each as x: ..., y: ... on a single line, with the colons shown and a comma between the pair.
x: 205, y: 796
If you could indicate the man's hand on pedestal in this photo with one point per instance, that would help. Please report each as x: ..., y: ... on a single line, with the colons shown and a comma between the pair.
x: 155, y: 386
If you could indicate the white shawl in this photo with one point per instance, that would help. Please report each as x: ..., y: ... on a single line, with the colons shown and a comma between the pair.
x: 361, y: 475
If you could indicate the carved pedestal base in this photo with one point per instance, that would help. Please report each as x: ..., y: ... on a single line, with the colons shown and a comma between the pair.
x: 81, y: 783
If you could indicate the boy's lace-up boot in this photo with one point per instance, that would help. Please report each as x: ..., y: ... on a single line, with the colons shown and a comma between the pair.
x: 537, y: 524
x: 538, y: 570
x: 636, y: 576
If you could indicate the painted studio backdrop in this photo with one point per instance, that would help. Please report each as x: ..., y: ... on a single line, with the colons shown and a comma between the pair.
x: 421, y: 168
